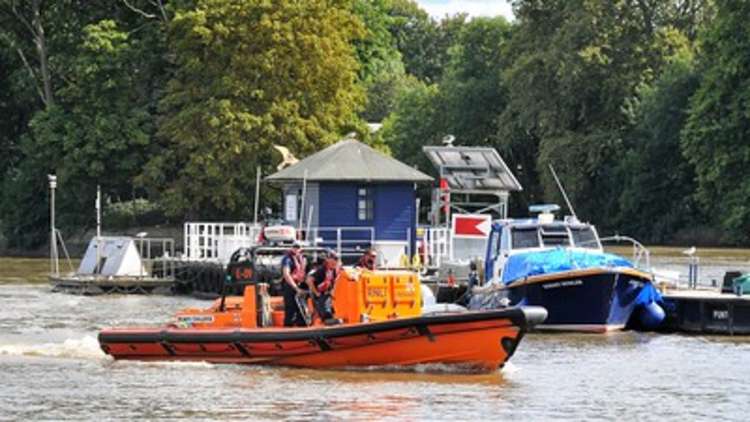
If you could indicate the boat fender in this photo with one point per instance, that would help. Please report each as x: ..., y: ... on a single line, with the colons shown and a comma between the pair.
x: 651, y: 315
x: 440, y: 308
x: 428, y: 298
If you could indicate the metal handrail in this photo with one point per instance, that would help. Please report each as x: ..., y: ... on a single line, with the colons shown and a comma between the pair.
x: 639, y: 250
x: 437, y: 246
x: 209, y: 241
x: 340, y: 240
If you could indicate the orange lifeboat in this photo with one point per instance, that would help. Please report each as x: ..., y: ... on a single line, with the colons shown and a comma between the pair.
x: 381, y: 324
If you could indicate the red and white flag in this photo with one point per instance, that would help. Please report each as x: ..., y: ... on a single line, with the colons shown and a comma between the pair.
x: 472, y: 225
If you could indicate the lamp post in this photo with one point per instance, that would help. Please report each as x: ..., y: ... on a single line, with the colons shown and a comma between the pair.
x: 53, y: 261
x: 98, y: 206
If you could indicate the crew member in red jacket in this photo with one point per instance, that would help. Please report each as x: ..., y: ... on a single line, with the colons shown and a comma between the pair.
x: 321, y: 282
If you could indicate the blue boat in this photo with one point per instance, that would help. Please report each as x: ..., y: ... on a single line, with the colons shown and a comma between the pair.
x: 561, y: 265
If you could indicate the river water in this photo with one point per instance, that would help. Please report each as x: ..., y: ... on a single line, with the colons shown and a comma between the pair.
x: 52, y: 369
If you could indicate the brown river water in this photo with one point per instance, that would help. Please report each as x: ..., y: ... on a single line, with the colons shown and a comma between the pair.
x: 51, y: 368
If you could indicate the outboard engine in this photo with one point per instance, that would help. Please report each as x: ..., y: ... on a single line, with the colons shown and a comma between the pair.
x: 240, y: 271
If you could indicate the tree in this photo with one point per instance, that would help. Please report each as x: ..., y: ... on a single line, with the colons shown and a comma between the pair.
x: 25, y: 19
x: 250, y: 74
x: 381, y: 71
x: 652, y: 170
x: 465, y: 103
x: 105, y: 77
x: 576, y: 64
x: 472, y: 86
x: 716, y: 138
x: 422, y: 41
x: 416, y: 121
x: 13, y: 108
x: 101, y: 127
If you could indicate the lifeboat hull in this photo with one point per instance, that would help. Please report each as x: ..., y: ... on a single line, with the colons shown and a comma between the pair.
x: 483, y: 340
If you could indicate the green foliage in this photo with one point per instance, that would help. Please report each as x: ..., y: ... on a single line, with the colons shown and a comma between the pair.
x: 416, y: 121
x: 657, y: 201
x: 98, y: 129
x: 250, y: 74
x: 423, y: 42
x: 376, y: 50
x: 641, y: 106
x: 135, y: 213
x: 466, y: 102
x: 472, y: 88
x: 13, y: 109
x: 576, y: 66
x: 716, y: 138
x: 24, y: 204
x: 381, y: 70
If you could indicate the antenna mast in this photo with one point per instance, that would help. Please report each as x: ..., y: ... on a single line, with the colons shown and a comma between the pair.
x: 562, y: 190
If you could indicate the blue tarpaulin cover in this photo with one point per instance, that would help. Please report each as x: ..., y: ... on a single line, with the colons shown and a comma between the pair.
x: 556, y: 260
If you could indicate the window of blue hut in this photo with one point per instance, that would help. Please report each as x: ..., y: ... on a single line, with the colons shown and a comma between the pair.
x: 364, y: 204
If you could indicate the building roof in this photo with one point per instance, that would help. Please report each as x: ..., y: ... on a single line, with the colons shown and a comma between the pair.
x: 472, y: 168
x: 350, y: 160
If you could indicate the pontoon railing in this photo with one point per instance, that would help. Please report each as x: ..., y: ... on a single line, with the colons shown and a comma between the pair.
x: 346, y: 241
x: 215, y: 242
x: 437, y: 244
x: 156, y: 256
x: 209, y: 241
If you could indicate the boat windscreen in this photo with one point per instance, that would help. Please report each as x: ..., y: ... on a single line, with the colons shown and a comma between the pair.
x: 585, y: 237
x: 555, y: 236
x: 525, y: 238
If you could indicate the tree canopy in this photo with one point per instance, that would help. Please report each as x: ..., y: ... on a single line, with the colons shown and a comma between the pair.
x: 250, y: 75
x: 716, y: 137
x: 640, y: 106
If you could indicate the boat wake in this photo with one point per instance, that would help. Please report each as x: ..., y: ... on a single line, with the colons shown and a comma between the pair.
x: 83, y: 348
x: 165, y: 363
x: 509, y: 368
x: 422, y: 368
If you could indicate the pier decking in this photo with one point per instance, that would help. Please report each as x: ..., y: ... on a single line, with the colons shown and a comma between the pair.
x: 82, y: 285
x: 701, y: 311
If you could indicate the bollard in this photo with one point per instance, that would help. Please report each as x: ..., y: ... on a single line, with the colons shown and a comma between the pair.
x: 693, y: 273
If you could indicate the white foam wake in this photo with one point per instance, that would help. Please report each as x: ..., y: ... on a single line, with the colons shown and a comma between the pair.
x: 83, y: 348
x: 166, y: 363
x: 509, y: 368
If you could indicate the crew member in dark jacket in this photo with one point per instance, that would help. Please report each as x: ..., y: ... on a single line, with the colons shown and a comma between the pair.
x: 293, y: 275
x: 368, y: 260
x: 321, y: 282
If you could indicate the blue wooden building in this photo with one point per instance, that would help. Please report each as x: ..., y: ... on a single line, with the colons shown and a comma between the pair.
x: 354, y: 197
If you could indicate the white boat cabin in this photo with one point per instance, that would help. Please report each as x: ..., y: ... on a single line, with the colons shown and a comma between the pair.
x: 515, y: 236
